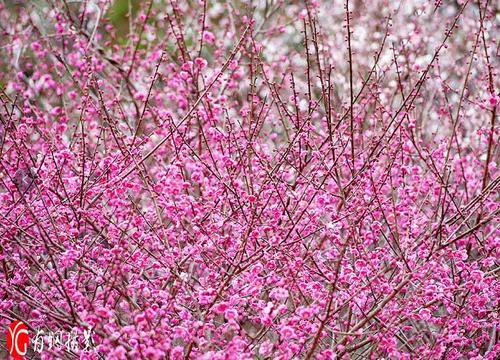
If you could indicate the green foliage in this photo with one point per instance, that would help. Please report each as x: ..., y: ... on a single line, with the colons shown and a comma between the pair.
x: 119, y: 14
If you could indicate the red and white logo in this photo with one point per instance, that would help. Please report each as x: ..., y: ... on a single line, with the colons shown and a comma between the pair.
x: 17, y: 340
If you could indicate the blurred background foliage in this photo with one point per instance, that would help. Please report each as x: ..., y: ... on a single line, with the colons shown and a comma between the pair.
x: 120, y: 14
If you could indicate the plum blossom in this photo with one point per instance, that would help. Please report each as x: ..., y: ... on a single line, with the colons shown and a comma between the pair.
x: 287, y: 180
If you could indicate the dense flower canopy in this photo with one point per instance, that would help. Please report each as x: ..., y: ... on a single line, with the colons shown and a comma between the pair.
x: 208, y: 179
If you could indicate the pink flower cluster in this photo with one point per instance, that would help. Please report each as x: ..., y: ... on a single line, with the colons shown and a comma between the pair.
x: 251, y: 180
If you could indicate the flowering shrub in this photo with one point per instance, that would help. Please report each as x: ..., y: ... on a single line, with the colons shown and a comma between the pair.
x: 236, y: 180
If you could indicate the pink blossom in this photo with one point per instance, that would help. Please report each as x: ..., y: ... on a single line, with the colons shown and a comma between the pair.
x: 230, y: 314
x: 201, y: 63
x: 279, y: 294
x: 209, y: 37
x: 287, y: 180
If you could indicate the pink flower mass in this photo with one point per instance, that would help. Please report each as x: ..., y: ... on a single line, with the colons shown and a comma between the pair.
x: 250, y: 179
